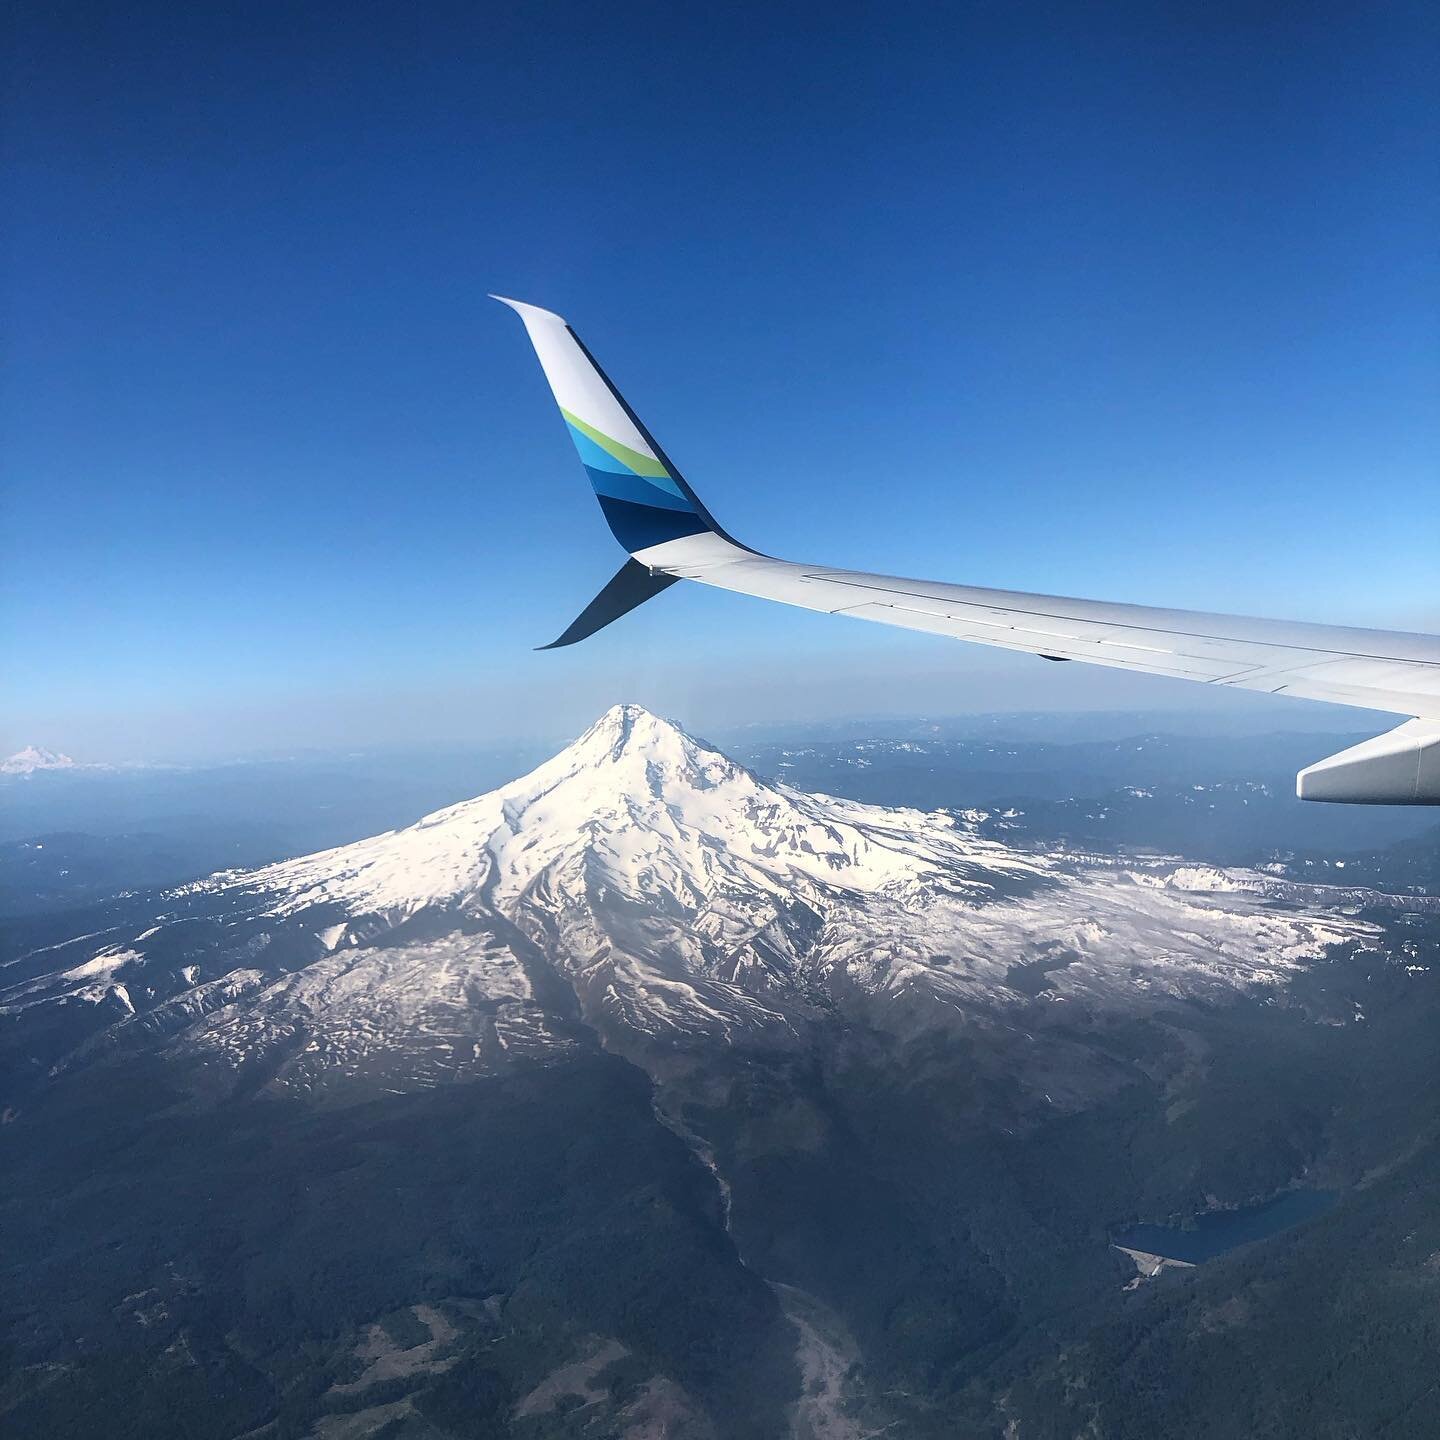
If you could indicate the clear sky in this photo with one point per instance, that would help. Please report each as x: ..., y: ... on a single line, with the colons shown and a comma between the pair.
x: 1137, y: 301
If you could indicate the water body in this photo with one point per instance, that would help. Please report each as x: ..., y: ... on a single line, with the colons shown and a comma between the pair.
x: 1217, y: 1231
x: 1033, y: 977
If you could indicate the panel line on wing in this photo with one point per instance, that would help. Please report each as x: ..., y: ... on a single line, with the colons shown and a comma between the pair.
x: 852, y: 581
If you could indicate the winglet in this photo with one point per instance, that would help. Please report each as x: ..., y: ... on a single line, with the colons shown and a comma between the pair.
x: 633, y: 584
x: 645, y: 500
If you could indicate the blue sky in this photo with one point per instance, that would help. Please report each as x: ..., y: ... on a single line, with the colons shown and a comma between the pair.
x: 1136, y: 302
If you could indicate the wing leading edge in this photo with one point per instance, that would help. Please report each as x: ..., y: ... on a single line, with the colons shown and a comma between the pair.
x: 655, y: 515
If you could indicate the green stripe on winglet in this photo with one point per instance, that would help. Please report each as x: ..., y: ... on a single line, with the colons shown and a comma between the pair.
x: 640, y: 464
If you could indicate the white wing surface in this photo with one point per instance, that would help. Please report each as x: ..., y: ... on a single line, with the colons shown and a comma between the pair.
x: 671, y: 536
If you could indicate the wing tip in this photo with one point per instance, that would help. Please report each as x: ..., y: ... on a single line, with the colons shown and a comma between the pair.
x: 525, y: 310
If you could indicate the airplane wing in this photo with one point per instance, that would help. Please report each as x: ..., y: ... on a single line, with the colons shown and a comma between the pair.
x: 670, y: 536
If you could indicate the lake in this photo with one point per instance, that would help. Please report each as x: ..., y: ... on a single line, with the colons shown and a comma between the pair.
x: 1217, y: 1231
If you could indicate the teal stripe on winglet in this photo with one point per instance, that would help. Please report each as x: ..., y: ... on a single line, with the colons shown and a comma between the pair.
x: 631, y: 459
x: 594, y: 457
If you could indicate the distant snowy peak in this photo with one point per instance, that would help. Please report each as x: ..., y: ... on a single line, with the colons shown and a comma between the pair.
x: 33, y: 758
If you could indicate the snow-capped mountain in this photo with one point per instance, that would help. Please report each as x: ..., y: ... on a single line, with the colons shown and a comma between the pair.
x: 642, y: 889
x: 33, y: 758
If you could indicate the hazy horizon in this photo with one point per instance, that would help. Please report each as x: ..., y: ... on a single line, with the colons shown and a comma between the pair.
x: 1230, y: 714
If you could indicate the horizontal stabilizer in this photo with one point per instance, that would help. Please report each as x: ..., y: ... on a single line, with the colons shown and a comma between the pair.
x: 631, y: 585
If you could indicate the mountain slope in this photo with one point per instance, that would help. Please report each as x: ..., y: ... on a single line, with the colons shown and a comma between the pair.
x: 646, y: 888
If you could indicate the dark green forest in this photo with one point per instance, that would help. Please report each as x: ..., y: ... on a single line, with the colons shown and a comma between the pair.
x: 214, y: 1268
x: 220, y: 1265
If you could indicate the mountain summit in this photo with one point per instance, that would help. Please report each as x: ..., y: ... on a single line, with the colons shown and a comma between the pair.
x: 33, y: 758
x: 638, y: 805
x: 640, y: 889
